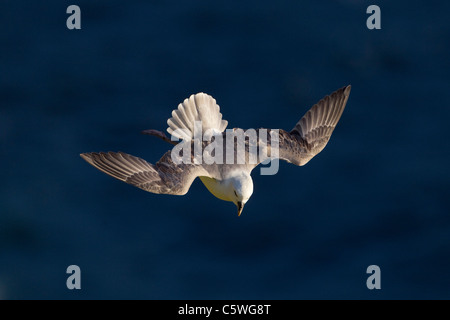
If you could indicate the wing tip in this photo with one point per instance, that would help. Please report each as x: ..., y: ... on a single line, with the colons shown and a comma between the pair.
x: 90, y: 157
x: 347, y: 90
x: 87, y: 156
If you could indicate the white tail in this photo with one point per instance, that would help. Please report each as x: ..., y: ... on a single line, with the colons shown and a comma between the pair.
x: 199, y: 107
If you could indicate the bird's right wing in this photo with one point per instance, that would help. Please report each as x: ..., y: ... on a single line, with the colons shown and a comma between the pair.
x: 165, y: 177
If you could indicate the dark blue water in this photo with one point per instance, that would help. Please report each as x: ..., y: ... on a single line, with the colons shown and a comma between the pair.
x: 378, y: 193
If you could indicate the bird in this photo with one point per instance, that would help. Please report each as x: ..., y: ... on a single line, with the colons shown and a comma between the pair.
x: 227, y: 181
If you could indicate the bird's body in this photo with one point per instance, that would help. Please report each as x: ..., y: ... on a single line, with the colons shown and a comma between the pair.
x: 228, y: 181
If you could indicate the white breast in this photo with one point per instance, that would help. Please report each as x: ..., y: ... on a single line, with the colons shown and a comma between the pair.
x: 220, y: 189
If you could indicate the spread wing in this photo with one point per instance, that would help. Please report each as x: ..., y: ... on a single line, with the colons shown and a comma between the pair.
x: 309, y: 136
x: 312, y: 133
x: 165, y: 177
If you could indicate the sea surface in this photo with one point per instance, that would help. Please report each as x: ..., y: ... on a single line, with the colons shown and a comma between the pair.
x: 377, y: 195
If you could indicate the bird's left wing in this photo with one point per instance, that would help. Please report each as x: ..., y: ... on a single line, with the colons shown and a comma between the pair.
x: 312, y: 133
x: 164, y: 177
x: 309, y: 136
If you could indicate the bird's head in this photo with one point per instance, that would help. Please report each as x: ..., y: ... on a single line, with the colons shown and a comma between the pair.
x: 242, y: 189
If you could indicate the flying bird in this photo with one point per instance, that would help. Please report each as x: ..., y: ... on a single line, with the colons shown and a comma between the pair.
x: 227, y: 181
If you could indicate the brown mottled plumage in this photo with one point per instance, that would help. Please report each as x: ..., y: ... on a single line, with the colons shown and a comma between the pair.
x: 312, y: 133
x: 309, y: 136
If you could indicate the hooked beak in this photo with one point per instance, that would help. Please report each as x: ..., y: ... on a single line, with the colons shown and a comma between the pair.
x: 240, y: 206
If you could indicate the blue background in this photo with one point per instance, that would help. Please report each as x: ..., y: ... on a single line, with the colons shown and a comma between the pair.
x: 378, y: 194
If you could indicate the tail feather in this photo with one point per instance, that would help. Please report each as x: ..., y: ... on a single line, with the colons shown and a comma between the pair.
x: 198, y: 107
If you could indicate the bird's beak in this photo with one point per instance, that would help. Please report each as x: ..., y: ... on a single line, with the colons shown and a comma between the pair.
x: 240, y: 206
